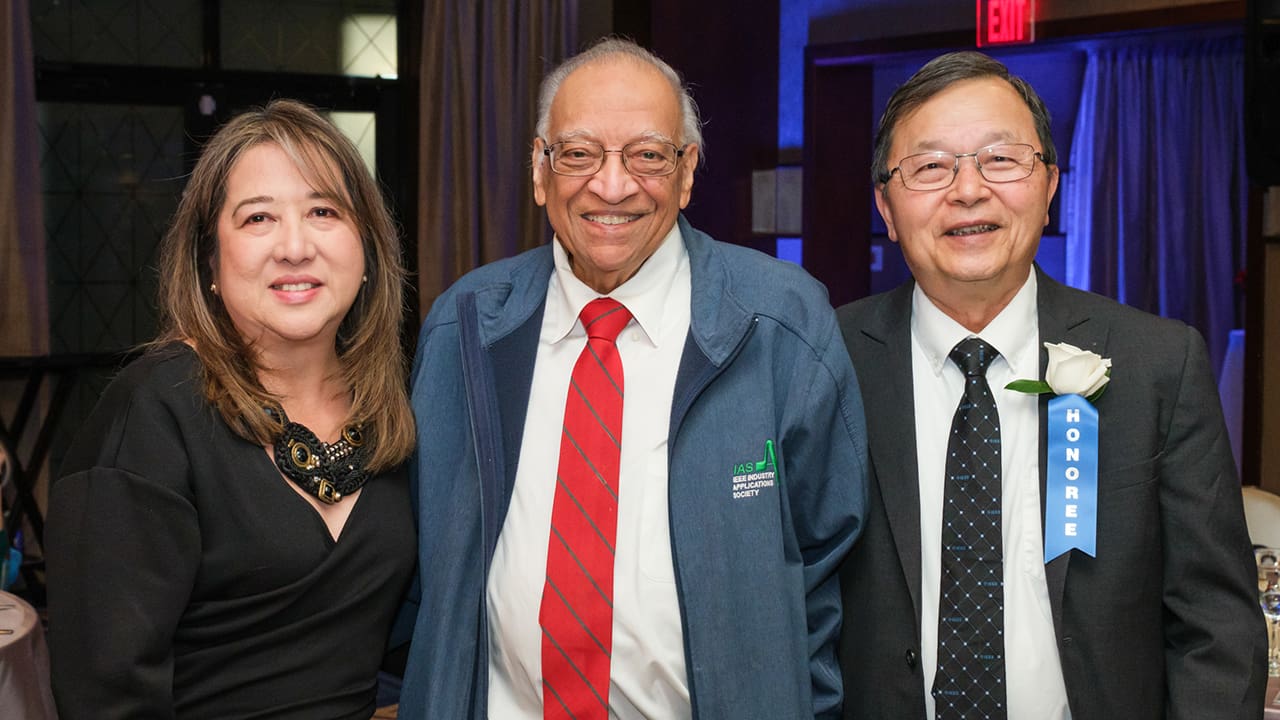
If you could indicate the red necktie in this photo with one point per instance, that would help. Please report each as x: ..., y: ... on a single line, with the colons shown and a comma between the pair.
x: 577, y: 598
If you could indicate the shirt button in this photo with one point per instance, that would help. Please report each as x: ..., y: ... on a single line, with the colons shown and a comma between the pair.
x: 911, y: 659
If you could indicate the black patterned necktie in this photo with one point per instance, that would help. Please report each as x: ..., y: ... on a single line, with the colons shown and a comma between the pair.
x: 969, y: 682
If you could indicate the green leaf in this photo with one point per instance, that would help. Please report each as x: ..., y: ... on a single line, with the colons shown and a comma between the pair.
x: 1033, y: 387
x: 1093, y: 399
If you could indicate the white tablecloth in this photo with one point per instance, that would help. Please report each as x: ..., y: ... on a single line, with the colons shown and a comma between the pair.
x: 24, y: 663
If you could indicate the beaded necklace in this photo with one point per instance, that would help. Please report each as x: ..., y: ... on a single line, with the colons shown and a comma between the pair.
x: 327, y: 471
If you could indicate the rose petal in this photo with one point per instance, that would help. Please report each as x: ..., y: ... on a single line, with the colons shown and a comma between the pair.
x: 1101, y: 383
x: 1096, y: 379
x: 1058, y: 353
x: 1073, y: 370
x: 1075, y: 374
x: 1068, y: 347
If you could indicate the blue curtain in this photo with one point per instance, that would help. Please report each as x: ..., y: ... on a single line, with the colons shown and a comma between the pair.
x: 1155, y: 189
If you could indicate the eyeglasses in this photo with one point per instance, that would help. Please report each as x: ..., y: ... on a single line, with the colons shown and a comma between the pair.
x: 996, y: 163
x: 579, y: 158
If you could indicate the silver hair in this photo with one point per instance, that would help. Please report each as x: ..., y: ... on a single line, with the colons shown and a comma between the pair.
x: 691, y: 124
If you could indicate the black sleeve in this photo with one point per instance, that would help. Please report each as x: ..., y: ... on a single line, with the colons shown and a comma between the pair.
x: 123, y: 547
x: 1215, y: 642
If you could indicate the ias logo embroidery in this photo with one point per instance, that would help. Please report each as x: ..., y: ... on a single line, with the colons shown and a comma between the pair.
x: 749, y: 478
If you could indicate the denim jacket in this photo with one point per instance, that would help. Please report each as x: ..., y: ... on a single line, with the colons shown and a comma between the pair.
x: 767, y: 481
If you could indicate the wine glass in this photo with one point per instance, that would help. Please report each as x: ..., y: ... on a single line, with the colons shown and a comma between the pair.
x: 1268, y: 561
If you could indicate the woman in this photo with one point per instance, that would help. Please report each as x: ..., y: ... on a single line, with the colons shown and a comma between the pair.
x: 231, y: 533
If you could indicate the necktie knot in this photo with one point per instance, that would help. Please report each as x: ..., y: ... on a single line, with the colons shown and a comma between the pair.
x: 604, y: 318
x: 973, y: 356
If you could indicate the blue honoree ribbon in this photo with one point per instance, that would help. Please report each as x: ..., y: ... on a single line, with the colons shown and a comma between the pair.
x: 1071, y: 488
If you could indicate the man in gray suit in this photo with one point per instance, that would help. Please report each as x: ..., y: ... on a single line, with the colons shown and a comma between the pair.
x: 953, y: 609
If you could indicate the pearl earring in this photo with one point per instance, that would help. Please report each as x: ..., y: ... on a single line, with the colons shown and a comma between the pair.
x: 364, y: 279
x: 213, y: 288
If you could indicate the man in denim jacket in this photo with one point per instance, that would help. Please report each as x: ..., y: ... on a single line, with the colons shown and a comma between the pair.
x: 742, y: 448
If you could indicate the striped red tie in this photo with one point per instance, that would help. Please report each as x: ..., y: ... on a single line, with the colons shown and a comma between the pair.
x: 577, y: 598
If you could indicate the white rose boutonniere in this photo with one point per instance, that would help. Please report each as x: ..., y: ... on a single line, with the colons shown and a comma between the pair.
x: 1070, y: 371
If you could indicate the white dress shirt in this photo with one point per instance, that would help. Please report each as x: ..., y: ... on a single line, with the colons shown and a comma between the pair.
x: 647, y: 671
x: 1033, y: 671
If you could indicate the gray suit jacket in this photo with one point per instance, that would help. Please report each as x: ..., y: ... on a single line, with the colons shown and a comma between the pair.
x: 1165, y: 622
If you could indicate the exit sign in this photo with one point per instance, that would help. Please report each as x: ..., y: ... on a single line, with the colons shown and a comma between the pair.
x: 1006, y: 22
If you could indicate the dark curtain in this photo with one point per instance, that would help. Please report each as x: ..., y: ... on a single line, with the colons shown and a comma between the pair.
x: 481, y: 65
x: 24, y: 310
x: 24, y: 304
x: 1155, y: 193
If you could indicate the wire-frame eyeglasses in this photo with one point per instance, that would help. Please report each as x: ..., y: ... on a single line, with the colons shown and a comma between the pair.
x: 647, y: 158
x: 996, y: 163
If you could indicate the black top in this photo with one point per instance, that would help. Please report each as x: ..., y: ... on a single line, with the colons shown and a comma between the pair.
x: 188, y: 579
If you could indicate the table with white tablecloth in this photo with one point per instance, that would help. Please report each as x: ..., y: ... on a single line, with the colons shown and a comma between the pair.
x: 24, y: 662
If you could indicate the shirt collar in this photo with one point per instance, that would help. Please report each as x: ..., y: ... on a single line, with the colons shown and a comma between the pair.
x: 1015, y: 332
x: 644, y: 294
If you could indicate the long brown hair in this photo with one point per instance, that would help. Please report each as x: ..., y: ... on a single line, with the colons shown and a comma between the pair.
x: 368, y: 343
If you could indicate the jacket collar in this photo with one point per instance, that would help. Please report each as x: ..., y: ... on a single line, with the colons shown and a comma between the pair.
x: 1062, y: 320
x: 507, y: 303
x: 718, y: 319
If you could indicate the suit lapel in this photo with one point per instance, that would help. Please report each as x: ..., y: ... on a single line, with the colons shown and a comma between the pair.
x: 1060, y: 321
x: 883, y: 349
x: 882, y: 354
